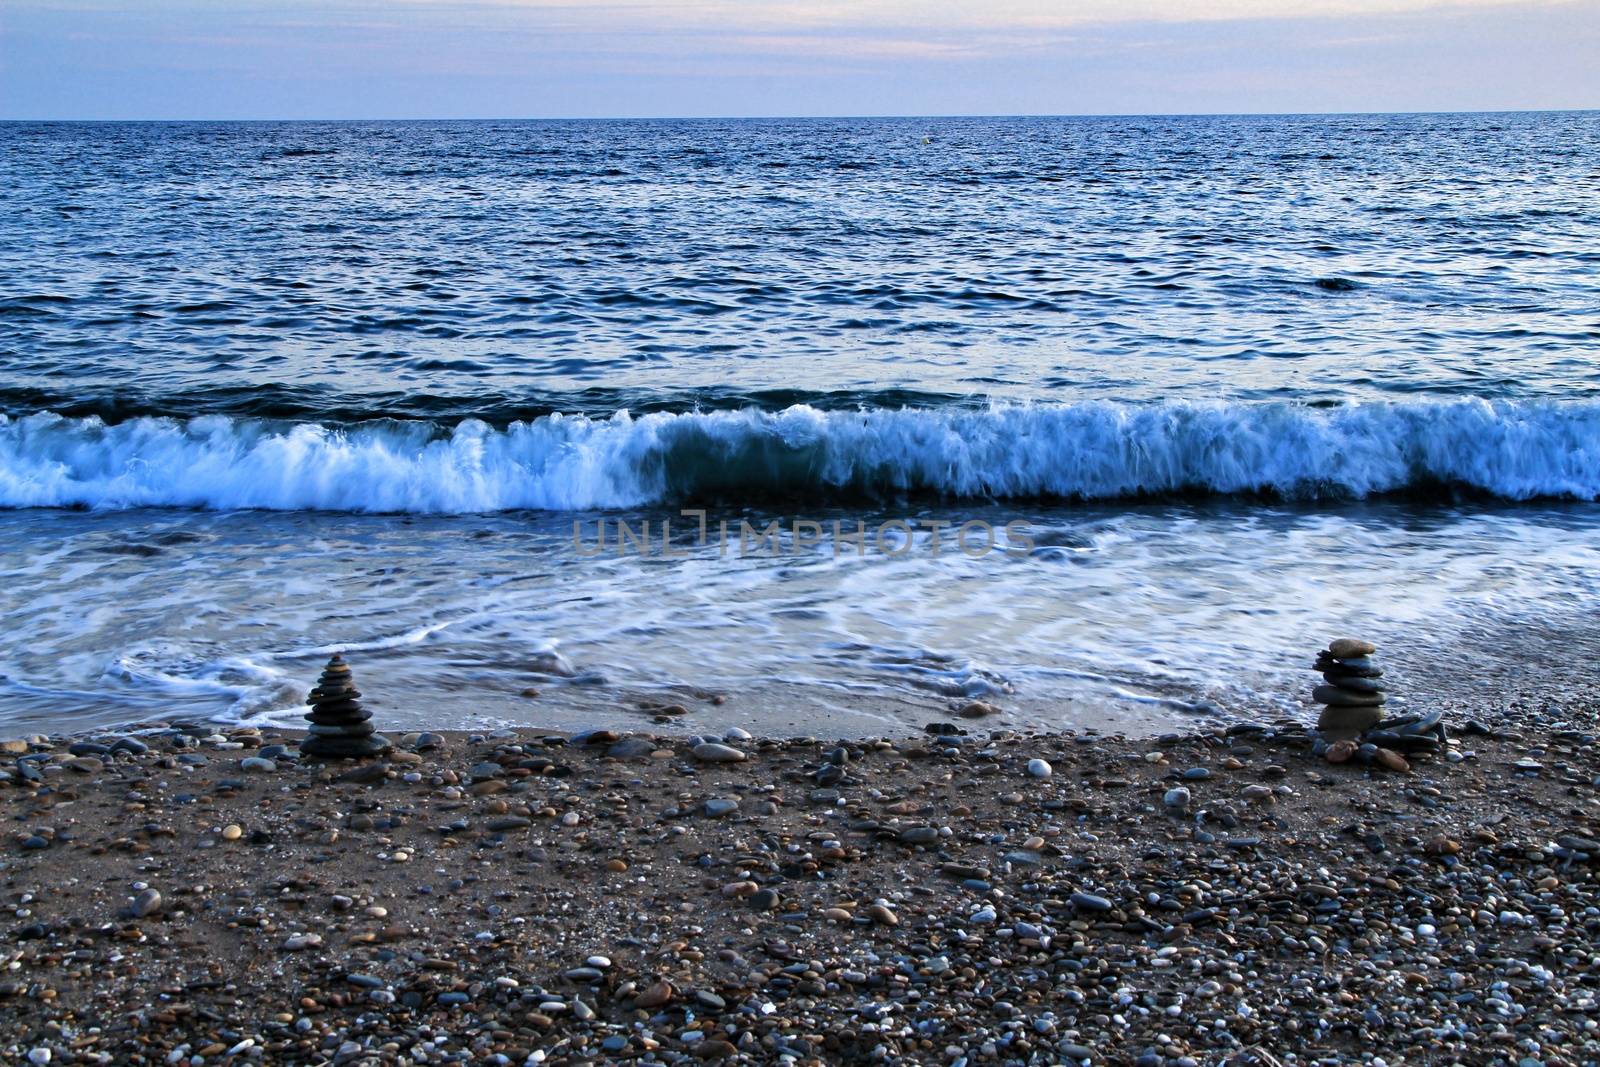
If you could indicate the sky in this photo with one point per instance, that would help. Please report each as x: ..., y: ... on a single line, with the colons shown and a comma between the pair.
x: 289, y: 59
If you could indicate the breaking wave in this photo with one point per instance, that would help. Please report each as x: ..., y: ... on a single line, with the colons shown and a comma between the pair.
x: 1084, y: 451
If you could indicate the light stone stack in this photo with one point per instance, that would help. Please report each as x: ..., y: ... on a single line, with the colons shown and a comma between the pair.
x: 1351, y: 693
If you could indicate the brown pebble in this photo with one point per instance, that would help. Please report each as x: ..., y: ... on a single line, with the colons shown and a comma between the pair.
x: 1350, y: 648
x: 1341, y: 751
x: 1391, y: 759
x: 657, y: 995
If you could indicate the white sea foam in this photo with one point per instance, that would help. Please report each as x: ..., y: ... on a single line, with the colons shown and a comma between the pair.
x: 1091, y: 450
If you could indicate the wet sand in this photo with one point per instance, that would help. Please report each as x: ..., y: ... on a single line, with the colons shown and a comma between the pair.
x: 520, y: 898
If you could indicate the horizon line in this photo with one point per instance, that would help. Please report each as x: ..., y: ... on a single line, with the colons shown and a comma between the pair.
x: 814, y: 118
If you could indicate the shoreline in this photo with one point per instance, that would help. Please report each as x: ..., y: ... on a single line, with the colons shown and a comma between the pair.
x: 520, y: 898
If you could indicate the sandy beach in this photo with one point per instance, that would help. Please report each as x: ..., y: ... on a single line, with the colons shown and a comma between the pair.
x: 1226, y: 897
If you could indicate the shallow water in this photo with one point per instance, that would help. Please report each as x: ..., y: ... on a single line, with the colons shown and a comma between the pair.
x: 1132, y: 617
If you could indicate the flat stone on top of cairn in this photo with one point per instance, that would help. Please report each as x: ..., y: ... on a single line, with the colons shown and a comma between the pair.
x: 1351, y: 693
x: 339, y: 726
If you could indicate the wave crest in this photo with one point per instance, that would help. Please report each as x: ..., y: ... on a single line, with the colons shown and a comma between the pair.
x: 1090, y: 451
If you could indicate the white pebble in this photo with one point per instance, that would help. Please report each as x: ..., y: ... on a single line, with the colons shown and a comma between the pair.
x: 1038, y: 768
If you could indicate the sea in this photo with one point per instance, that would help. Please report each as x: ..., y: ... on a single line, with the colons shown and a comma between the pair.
x: 828, y: 426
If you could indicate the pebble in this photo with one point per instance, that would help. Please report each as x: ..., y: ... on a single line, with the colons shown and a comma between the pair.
x: 256, y: 763
x: 657, y: 995
x: 715, y: 752
x: 632, y: 748
x: 1091, y: 902
x: 1341, y: 751
x: 1176, y: 799
x: 721, y: 806
x: 1392, y: 760
x: 147, y: 902
x: 1038, y: 768
x: 1350, y: 648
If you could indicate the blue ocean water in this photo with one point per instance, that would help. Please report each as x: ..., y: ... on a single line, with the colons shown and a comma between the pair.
x: 268, y: 389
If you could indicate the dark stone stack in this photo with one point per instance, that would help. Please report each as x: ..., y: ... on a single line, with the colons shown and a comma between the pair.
x: 339, y: 726
x: 1351, y: 693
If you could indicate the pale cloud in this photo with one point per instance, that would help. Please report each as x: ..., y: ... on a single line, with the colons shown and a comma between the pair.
x: 944, y: 14
x: 848, y: 47
x: 932, y: 30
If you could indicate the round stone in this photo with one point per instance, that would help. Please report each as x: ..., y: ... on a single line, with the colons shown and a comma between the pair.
x: 1388, y: 757
x: 715, y: 752
x: 1090, y: 902
x: 336, y: 706
x: 1350, y: 648
x: 1360, y: 667
x: 1353, y: 682
x: 148, y: 902
x: 326, y: 729
x: 325, y: 747
x: 1342, y: 721
x: 1341, y: 751
x: 1345, y: 698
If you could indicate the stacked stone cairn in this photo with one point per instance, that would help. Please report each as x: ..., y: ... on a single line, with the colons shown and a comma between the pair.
x: 1352, y: 724
x: 1351, y: 692
x: 339, y: 724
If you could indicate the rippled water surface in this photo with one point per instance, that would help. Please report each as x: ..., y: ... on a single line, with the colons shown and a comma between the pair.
x: 501, y: 269
x: 272, y: 389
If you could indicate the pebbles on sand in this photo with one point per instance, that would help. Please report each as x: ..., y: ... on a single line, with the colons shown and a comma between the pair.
x: 932, y: 903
